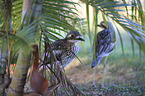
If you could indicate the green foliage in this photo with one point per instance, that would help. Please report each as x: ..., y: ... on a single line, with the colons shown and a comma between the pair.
x: 24, y: 38
x: 60, y: 16
x: 57, y: 17
x: 116, y: 11
x: 16, y: 14
x: 2, y: 12
x: 124, y: 75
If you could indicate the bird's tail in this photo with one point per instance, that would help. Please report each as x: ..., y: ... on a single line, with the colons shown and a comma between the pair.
x: 94, y: 63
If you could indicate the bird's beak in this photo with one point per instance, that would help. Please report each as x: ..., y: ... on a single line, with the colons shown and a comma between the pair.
x: 98, y: 25
x: 81, y: 39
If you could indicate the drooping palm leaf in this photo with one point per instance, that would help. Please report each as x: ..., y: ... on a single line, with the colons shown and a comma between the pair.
x: 58, y: 16
x: 111, y: 9
x: 24, y: 37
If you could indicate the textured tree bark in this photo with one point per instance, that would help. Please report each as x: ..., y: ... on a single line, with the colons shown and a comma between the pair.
x: 4, y: 46
x: 3, y: 64
x: 20, y: 74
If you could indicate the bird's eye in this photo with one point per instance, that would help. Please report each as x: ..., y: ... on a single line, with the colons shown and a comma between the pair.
x: 72, y: 35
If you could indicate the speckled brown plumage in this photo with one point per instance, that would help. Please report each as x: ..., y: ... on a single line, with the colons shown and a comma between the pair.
x: 65, y: 49
x: 104, y: 44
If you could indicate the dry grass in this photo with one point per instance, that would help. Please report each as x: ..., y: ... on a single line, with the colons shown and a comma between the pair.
x: 125, y: 76
x: 121, y: 79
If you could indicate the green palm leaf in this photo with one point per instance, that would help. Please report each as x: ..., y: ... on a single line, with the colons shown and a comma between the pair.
x: 133, y: 28
x: 24, y: 38
x: 2, y: 14
x: 16, y: 14
x: 58, y: 17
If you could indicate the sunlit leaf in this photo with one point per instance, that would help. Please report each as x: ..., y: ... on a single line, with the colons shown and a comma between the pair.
x: 116, y: 5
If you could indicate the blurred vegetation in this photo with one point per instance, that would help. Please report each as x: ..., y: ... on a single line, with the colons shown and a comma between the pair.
x: 124, y: 74
x: 125, y: 66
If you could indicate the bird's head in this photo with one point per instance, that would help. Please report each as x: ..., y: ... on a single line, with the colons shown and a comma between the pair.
x: 74, y: 36
x: 102, y: 25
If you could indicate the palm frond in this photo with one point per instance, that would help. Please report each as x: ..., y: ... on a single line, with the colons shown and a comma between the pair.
x: 88, y: 22
x: 135, y: 29
x: 16, y: 14
x: 25, y: 37
x: 121, y: 40
x: 2, y: 14
x: 58, y: 17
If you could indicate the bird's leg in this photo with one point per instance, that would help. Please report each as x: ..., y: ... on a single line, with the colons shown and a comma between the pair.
x: 104, y: 71
x: 95, y: 71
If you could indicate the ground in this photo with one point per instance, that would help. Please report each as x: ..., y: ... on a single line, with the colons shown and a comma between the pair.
x: 125, y: 75
x: 122, y: 79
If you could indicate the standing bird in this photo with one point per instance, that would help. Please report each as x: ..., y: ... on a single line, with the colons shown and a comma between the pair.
x: 104, y: 45
x: 65, y: 50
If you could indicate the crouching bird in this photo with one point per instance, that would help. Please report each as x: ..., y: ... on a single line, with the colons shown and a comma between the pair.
x: 103, y: 46
x: 65, y: 50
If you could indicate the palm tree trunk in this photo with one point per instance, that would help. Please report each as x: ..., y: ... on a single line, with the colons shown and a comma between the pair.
x: 4, y: 45
x: 20, y: 73
x: 26, y: 11
x: 4, y: 52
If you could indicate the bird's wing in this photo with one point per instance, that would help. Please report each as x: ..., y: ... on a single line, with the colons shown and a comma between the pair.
x: 104, y: 43
x: 58, y: 50
x: 59, y: 46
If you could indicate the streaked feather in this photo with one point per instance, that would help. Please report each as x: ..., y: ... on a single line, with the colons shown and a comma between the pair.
x: 64, y: 49
x: 104, y: 46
